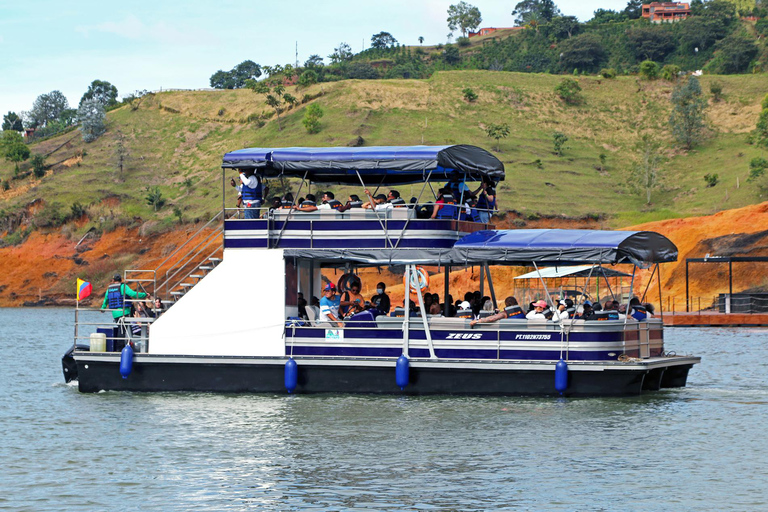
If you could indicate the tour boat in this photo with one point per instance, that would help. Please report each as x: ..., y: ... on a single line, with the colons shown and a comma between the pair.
x: 237, y: 329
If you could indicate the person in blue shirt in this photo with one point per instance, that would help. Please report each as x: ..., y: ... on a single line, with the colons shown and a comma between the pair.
x: 329, y: 306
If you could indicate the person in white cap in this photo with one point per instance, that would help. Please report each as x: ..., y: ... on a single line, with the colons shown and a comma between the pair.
x: 561, y: 313
x: 537, y: 313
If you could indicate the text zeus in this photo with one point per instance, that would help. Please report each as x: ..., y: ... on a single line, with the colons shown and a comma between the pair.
x: 461, y: 336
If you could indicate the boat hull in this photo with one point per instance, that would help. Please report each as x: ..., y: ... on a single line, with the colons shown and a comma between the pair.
x: 98, y: 372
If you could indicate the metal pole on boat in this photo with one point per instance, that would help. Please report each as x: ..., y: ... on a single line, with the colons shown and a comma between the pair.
x: 546, y: 291
x: 490, y: 285
x: 629, y: 298
x: 423, y: 313
x: 407, y: 308
x: 383, y: 227
x: 482, y: 280
x: 446, y: 291
x: 686, y: 285
x: 661, y: 305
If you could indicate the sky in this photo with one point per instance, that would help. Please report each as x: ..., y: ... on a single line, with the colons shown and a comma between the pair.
x: 48, y: 45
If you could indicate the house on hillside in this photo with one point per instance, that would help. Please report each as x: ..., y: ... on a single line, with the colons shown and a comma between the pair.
x: 490, y: 30
x: 666, y: 12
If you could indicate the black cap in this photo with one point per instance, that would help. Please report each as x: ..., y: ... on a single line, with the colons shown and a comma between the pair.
x: 117, y: 277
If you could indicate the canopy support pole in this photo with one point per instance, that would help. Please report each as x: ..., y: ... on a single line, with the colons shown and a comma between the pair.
x: 446, y: 291
x: 423, y: 313
x: 378, y: 217
x: 482, y: 280
x: 408, y: 221
x: 490, y: 285
x: 661, y: 304
x: 586, y: 283
x: 290, y: 212
x: 607, y: 283
x: 642, y: 299
x: 546, y: 291
x: 629, y: 298
x: 407, y: 308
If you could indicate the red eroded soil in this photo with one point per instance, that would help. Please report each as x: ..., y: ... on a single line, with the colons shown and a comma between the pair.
x: 44, y: 268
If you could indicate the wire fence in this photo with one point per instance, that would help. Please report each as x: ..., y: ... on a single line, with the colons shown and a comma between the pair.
x: 737, y: 303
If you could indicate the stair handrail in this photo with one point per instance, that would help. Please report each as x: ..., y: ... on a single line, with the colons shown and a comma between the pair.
x: 159, y: 266
x: 188, y: 259
x: 210, y: 255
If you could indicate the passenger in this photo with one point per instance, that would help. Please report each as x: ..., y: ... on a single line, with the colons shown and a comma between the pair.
x: 381, y: 300
x: 301, y: 303
x: 637, y: 311
x: 562, y: 311
x: 378, y: 203
x: 538, y: 313
x: 649, y: 309
x: 486, y: 203
x: 395, y: 200
x: 353, y: 202
x: 286, y: 203
x: 457, y: 187
x: 427, y: 301
x: 435, y: 310
x: 251, y: 192
x: 274, y: 204
x: 352, y: 301
x: 451, y: 306
x: 154, y: 309
x: 587, y: 313
x: 445, y: 206
x: 315, y: 302
x: 464, y: 310
x: 329, y: 306
x: 114, y: 299
x: 329, y: 203
x: 511, y: 310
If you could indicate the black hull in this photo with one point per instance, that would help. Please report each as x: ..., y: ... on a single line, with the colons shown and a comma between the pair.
x: 361, y: 379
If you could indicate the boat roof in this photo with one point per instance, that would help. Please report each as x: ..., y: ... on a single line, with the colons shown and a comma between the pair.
x: 377, y: 165
x: 521, y: 247
x: 580, y: 271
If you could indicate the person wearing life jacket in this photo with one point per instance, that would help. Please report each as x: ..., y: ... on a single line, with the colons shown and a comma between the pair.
x: 486, y: 203
x: 251, y: 193
x: 445, y: 206
x: 395, y: 200
x: 459, y: 189
x: 329, y: 203
x: 378, y: 203
x: 353, y: 202
x: 511, y: 310
x: 639, y: 312
x: 114, y: 300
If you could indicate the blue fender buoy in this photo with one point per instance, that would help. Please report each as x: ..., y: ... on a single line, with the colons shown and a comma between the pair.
x: 401, y: 371
x: 126, y: 361
x: 291, y: 375
x: 561, y: 376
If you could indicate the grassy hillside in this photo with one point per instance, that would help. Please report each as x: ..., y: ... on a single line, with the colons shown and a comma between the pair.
x: 175, y: 141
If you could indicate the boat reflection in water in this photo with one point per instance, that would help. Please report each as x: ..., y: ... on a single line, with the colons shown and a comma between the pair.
x: 238, y: 329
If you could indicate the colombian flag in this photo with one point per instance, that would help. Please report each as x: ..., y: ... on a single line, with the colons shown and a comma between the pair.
x: 83, y: 289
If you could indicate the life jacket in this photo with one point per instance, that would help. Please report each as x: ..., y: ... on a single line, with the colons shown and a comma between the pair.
x: 115, y: 298
x: 605, y: 315
x: 355, y: 204
x: 483, y: 204
x: 448, y: 208
x: 398, y: 202
x: 307, y: 202
x: 252, y: 194
x: 514, y: 312
x: 639, y: 313
x: 464, y: 313
x: 334, y: 204
x: 286, y: 205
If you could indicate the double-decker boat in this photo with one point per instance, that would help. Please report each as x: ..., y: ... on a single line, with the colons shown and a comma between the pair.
x: 238, y: 329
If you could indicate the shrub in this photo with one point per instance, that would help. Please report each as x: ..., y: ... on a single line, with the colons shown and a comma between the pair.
x: 670, y: 72
x: 757, y: 168
x: 711, y: 180
x: 77, y: 209
x: 38, y: 165
x: 92, y: 116
x: 6, y: 185
x: 308, y: 78
x: 649, y: 70
x: 312, y: 116
x: 154, y: 197
x: 569, y: 91
x: 716, y: 88
x: 608, y: 73
x: 177, y: 213
x: 462, y: 41
x: 558, y: 141
x: 469, y: 94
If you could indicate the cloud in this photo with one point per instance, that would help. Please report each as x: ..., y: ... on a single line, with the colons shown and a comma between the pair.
x: 134, y: 29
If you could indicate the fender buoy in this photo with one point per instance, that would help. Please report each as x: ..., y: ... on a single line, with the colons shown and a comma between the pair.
x: 401, y: 372
x: 291, y: 375
x: 126, y: 361
x: 345, y: 281
x: 561, y: 376
x: 419, y: 279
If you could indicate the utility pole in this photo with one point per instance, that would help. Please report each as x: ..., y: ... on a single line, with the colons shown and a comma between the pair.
x: 297, y: 54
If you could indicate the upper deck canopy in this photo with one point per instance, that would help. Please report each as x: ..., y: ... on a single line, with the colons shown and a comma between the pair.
x: 546, y: 247
x: 383, y: 165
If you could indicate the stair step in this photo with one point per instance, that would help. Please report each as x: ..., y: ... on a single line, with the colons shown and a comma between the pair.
x: 197, y: 276
x: 186, y: 285
x: 205, y: 267
x: 177, y: 294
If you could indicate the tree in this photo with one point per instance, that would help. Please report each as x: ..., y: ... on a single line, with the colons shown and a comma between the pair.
x: 498, y: 132
x: 687, y: 117
x: 670, y: 72
x: 383, y: 40
x: 121, y: 153
x: 562, y: 27
x: 12, y: 147
x: 421, y: 40
x: 651, y: 43
x: 584, y: 52
x: 47, y: 108
x: 463, y: 17
x: 700, y: 33
x: 307, y: 78
x: 761, y: 130
x: 647, y: 167
x: 361, y: 71
x: 91, y: 115
x: 541, y: 11
x: 558, y: 141
x: 11, y: 121
x: 569, y: 91
x: 341, y: 53
x: 602, y: 16
x: 102, y: 91
x: 314, y: 61
x: 312, y: 117
x: 154, y: 197
x: 451, y: 54
x: 734, y: 54
x: 649, y: 70
x: 633, y: 10
x: 274, y: 96
x: 38, y: 165
x: 469, y: 94
x: 236, y: 77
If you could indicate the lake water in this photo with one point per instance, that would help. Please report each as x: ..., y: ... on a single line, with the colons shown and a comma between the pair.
x: 699, y: 448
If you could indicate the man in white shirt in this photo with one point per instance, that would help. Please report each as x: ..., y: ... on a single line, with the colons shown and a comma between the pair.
x: 329, y: 306
x: 378, y: 203
x: 561, y: 312
x: 537, y: 313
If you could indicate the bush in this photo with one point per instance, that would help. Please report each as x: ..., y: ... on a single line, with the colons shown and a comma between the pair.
x: 38, y: 165
x: 716, y: 88
x: 78, y: 210
x: 312, y: 116
x: 462, y: 41
x: 569, y: 91
x: 757, y: 168
x: 362, y: 71
x: 91, y: 115
x: 558, y: 141
x: 649, y: 70
x: 469, y: 94
x: 711, y: 180
x: 670, y: 72
x: 6, y: 185
x: 154, y: 197
x: 308, y: 78
x: 608, y: 73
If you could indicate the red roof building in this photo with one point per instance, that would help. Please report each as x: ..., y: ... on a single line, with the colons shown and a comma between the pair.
x: 489, y: 30
x: 666, y: 12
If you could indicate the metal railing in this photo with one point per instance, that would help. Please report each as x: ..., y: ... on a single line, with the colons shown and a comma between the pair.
x: 724, y: 303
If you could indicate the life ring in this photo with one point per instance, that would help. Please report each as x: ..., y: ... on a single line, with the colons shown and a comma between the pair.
x: 345, y: 282
x: 420, y: 279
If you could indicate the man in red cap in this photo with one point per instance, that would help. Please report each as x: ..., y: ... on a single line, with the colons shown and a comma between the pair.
x: 329, y: 306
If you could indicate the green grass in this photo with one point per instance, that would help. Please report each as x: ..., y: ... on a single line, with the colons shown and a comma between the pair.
x: 179, y: 135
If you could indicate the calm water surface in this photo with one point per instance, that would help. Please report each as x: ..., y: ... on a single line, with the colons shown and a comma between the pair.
x: 699, y: 448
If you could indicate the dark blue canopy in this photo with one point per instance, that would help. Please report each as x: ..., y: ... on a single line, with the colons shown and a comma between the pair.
x: 385, y: 165
x: 565, y: 247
